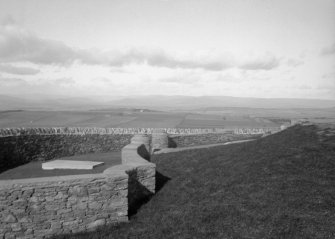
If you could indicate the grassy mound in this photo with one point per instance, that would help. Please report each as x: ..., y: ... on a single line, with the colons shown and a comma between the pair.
x: 281, y: 186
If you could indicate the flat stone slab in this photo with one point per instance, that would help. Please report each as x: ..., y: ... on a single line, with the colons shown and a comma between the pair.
x: 70, y: 164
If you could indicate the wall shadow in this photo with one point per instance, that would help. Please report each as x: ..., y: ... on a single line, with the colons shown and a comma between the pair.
x: 138, y: 195
x: 143, y: 152
x: 171, y: 143
x: 161, y: 180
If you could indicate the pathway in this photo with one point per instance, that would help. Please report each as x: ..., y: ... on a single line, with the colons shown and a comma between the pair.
x: 171, y: 150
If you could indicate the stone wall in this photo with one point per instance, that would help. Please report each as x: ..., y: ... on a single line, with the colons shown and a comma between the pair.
x: 41, y: 207
x: 22, y: 145
x: 159, y: 140
x: 7, y: 132
x: 18, y: 150
x: 102, y: 131
x: 35, y: 208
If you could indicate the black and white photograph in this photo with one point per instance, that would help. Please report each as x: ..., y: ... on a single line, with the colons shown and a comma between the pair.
x: 167, y: 119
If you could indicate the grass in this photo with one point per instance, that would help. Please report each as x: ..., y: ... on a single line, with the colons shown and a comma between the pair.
x: 126, y: 119
x: 281, y: 186
x: 34, y: 169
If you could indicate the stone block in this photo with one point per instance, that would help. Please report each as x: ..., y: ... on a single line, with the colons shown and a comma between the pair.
x: 70, y: 164
x: 70, y: 224
x: 95, y: 224
x: 16, y: 227
x: 94, y: 205
x: 10, y: 218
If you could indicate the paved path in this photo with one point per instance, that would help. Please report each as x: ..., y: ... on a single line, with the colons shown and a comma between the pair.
x: 171, y: 150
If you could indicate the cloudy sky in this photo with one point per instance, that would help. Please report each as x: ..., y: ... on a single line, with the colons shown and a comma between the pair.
x: 259, y: 48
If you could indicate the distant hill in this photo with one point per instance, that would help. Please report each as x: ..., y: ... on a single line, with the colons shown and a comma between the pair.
x: 45, y: 102
x: 192, y: 102
x: 152, y: 102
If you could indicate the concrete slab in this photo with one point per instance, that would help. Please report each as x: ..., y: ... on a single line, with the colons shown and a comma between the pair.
x: 70, y: 164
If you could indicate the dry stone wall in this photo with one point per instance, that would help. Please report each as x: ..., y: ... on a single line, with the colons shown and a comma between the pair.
x: 42, y: 207
x: 17, y: 150
x: 159, y: 141
x: 37, y: 208
x: 7, y: 132
x: 22, y: 145
x: 102, y: 131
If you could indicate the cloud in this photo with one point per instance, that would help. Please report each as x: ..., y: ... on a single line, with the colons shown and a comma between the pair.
x: 304, y: 87
x: 5, y: 81
x: 294, y: 62
x: 208, y: 62
x: 19, y: 45
x: 159, y: 58
x: 64, y: 81
x: 18, y: 70
x: 8, y: 20
x: 329, y: 50
x: 180, y: 80
x: 266, y: 62
x: 163, y: 60
x: 326, y: 86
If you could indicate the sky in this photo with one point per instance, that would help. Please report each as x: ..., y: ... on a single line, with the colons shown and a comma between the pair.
x: 242, y: 48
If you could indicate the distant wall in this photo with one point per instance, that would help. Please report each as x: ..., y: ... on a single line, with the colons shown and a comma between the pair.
x: 102, y: 131
x: 113, y: 131
x: 42, y: 207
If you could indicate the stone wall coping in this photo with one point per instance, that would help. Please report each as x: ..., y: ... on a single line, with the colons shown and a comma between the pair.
x: 130, y: 156
x: 126, y: 167
x: 23, y: 131
x: 115, y: 173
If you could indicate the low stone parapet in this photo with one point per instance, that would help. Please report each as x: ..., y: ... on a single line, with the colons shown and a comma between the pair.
x: 159, y: 140
x: 42, y: 207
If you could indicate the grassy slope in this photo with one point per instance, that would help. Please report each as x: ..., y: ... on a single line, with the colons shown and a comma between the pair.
x: 282, y: 186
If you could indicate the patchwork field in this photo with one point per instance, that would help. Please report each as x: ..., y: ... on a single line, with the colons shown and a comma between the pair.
x: 136, y: 118
x: 62, y: 118
x: 128, y: 119
x: 224, y: 121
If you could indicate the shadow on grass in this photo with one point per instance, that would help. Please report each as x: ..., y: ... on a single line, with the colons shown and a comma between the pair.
x: 138, y: 195
x: 161, y: 180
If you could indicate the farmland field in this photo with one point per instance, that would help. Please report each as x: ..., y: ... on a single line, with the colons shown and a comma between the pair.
x: 219, y: 121
x: 129, y: 118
